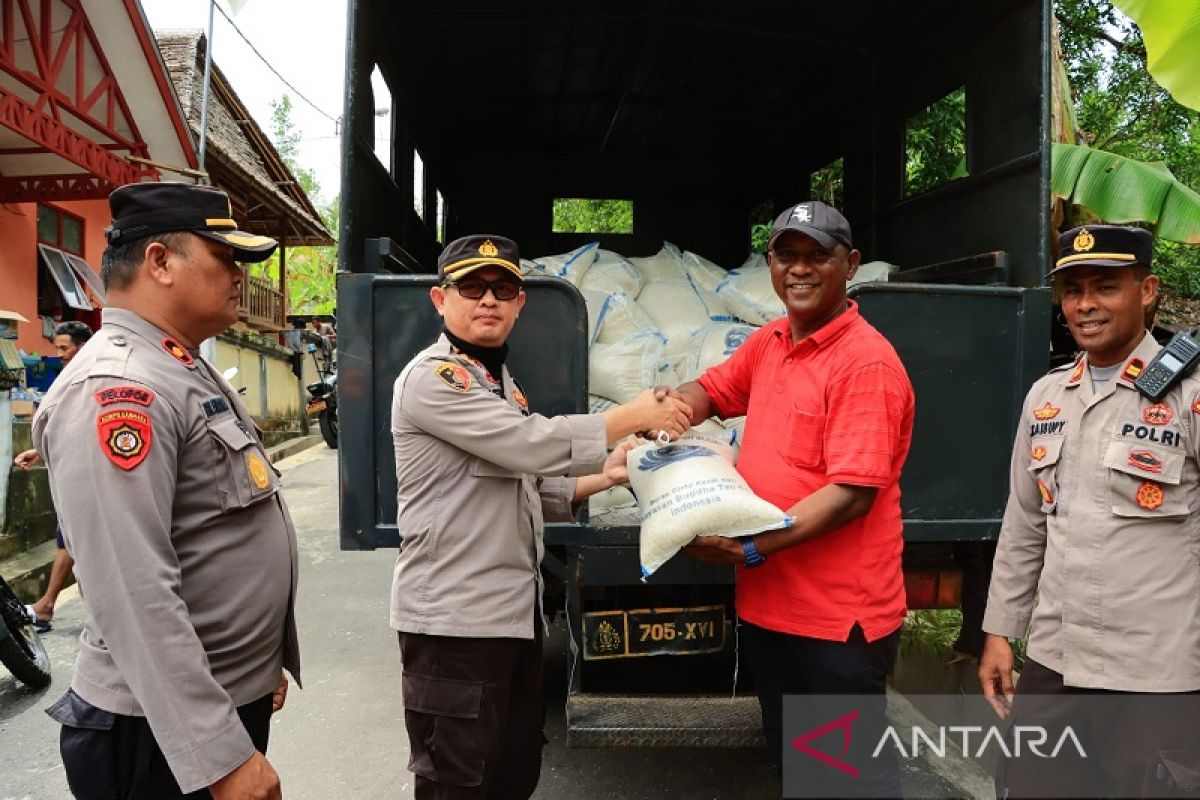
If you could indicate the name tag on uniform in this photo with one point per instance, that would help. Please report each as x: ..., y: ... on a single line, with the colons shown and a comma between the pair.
x: 217, y: 405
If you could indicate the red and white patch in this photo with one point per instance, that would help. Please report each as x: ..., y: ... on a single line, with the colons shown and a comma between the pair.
x: 1046, y: 412
x: 178, y: 352
x: 1157, y: 414
x: 1133, y: 369
x: 1078, y: 373
x: 125, y: 436
x: 1145, y: 461
x: 125, y: 394
x: 1047, y: 497
x: 519, y: 396
x: 1149, y: 495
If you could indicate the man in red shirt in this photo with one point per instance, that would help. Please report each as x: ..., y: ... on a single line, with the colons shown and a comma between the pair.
x: 829, y: 415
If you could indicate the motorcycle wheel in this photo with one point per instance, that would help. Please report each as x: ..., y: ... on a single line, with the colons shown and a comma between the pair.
x: 22, y: 650
x: 327, y: 420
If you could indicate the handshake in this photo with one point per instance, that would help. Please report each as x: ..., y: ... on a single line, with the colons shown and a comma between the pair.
x: 653, y: 413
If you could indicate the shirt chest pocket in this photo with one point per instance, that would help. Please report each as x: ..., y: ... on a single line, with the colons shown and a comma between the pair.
x: 1043, y: 468
x: 803, y: 443
x: 241, y: 474
x: 486, y: 469
x: 1143, y: 480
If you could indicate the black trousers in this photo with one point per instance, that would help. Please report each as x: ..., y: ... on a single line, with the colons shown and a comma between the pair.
x: 783, y: 664
x: 1134, y: 744
x: 475, y: 713
x: 124, y: 762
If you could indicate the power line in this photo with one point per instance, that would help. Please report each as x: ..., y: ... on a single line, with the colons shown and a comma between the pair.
x: 263, y: 58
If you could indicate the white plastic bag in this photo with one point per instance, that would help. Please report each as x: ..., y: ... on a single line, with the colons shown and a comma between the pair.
x: 621, y: 370
x: 570, y: 266
x: 716, y: 342
x: 665, y: 265
x: 611, y: 273
x: 690, y: 488
x: 620, y: 317
x: 750, y: 296
x: 703, y: 272
x: 678, y: 308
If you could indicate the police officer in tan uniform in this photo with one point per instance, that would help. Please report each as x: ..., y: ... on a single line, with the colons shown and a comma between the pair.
x: 1097, y: 555
x: 185, y: 553
x: 477, y: 474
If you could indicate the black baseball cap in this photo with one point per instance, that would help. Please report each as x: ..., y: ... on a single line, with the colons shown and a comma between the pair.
x: 467, y: 254
x: 143, y: 209
x: 1104, y: 246
x: 813, y: 218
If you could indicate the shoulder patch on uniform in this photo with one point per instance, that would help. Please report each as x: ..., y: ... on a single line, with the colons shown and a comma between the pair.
x: 1077, y: 373
x: 125, y: 394
x: 125, y: 436
x: 178, y: 352
x: 1133, y: 369
x: 454, y: 375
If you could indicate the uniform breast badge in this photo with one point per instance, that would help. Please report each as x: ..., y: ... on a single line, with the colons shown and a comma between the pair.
x: 258, y: 471
x: 125, y: 437
x: 1038, y: 453
x: 1046, y: 412
x: 1149, y: 495
x: 1157, y: 414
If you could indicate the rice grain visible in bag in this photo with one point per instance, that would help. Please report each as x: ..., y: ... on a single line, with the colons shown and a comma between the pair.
x: 690, y: 488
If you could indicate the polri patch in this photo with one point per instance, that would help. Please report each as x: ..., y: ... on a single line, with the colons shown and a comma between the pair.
x: 125, y: 394
x: 178, y: 352
x: 1149, y: 495
x: 454, y: 375
x: 1145, y: 461
x: 1157, y: 414
x: 1133, y: 369
x: 1046, y: 412
x: 125, y: 437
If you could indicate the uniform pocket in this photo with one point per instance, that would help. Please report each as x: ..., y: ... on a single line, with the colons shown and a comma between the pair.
x: 1143, y: 480
x: 448, y: 739
x: 1044, y: 456
x: 804, y: 442
x: 486, y: 469
x: 242, y: 474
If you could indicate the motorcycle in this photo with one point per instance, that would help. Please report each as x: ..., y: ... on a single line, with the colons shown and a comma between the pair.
x: 322, y: 401
x: 21, y: 649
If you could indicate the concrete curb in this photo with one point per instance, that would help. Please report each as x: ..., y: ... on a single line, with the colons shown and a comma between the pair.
x: 293, y: 446
x: 966, y: 775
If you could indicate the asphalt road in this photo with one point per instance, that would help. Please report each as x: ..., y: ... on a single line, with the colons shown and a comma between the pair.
x: 342, y: 736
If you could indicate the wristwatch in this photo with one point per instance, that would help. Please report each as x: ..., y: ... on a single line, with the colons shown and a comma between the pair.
x: 753, y: 557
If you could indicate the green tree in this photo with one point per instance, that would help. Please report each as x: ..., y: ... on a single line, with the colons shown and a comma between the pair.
x: 589, y: 215
x: 311, y: 284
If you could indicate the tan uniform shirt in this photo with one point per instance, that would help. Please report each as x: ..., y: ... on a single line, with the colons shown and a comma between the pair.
x: 184, y: 551
x: 476, y: 474
x: 1100, y: 545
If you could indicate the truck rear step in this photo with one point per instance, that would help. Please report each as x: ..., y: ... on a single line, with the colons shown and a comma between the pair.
x: 596, y: 720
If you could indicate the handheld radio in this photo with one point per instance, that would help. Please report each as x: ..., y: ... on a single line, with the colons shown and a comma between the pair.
x: 1172, y: 364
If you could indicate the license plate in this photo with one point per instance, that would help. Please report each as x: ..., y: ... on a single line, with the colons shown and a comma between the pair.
x: 317, y: 406
x: 653, y: 631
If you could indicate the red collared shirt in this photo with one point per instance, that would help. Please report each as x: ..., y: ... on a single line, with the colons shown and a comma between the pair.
x: 835, y: 408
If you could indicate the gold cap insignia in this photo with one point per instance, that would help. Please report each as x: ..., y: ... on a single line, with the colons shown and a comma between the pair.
x: 488, y: 250
x: 1084, y: 241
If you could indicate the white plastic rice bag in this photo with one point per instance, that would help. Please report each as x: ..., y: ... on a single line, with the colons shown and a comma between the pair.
x: 690, y: 488
x: 750, y: 296
x: 678, y: 308
x: 598, y: 404
x: 611, y: 273
x: 716, y: 342
x: 619, y: 318
x: 616, y: 497
x: 595, y: 309
x: 870, y: 272
x: 570, y: 266
x: 621, y: 370
x: 665, y: 265
x: 703, y: 272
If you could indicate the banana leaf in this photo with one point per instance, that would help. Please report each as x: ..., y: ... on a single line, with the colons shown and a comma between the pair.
x: 1120, y: 189
x: 1171, y: 30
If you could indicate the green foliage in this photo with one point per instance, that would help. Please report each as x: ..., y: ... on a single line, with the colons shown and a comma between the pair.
x: 590, y: 215
x: 761, y: 217
x: 935, y: 144
x: 311, y: 283
x: 829, y: 184
x: 1122, y: 110
x: 932, y: 631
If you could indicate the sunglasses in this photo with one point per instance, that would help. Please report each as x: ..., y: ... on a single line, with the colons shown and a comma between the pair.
x: 476, y: 288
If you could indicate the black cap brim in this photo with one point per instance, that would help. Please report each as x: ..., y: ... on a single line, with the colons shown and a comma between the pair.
x: 249, y: 247
x: 819, y: 236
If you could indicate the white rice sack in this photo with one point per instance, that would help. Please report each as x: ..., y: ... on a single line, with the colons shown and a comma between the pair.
x: 679, y: 360
x: 570, y: 266
x: 712, y: 428
x: 621, y: 370
x: 609, y: 499
x: 716, y: 342
x: 611, y: 273
x: 598, y: 404
x: 619, y: 318
x: 750, y: 296
x: 665, y: 265
x: 690, y: 488
x: 595, y: 309
x: 737, y: 431
x: 676, y: 307
x: 703, y: 272
x: 533, y: 268
x: 870, y: 272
